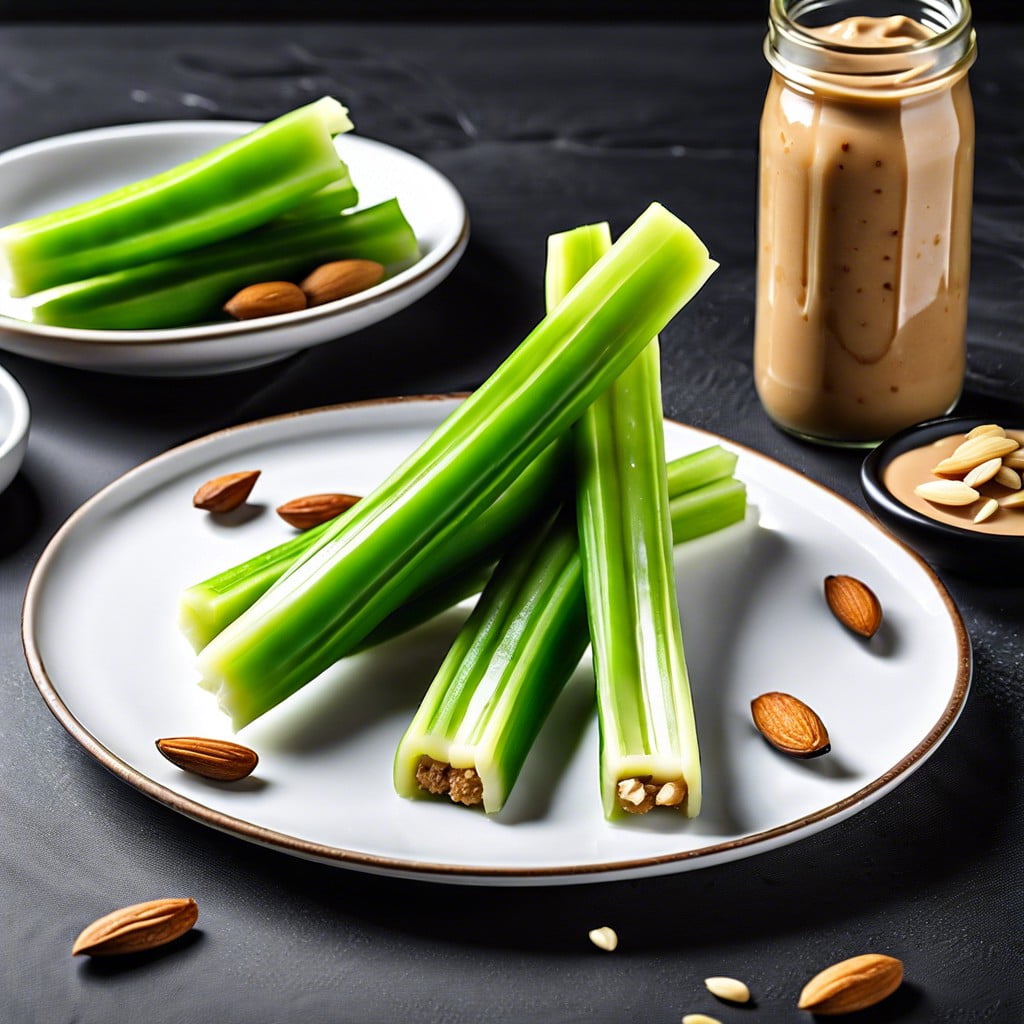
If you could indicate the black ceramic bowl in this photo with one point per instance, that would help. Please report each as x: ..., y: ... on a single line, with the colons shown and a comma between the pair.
x: 978, y: 555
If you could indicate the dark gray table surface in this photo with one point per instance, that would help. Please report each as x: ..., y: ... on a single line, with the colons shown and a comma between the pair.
x: 541, y: 128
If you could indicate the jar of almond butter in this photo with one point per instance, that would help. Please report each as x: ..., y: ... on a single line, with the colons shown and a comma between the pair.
x: 866, y: 166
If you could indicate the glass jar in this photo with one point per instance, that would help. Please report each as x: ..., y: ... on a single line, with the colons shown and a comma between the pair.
x: 866, y: 167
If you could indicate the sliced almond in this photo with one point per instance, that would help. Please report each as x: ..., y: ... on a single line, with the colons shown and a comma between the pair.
x: 1012, y: 500
x: 854, y: 604
x: 213, y: 759
x: 988, y: 508
x: 314, y: 509
x: 1007, y: 477
x: 137, y: 928
x: 789, y: 725
x: 852, y: 985
x: 946, y: 492
x: 986, y: 430
x: 699, y: 1018
x: 731, y: 989
x: 340, y: 279
x: 225, y: 493
x: 973, y: 453
x: 267, y: 298
x: 983, y: 473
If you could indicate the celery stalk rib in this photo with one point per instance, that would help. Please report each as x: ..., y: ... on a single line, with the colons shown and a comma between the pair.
x: 645, y: 711
x: 233, y: 188
x: 193, y: 286
x: 354, y: 577
x: 519, y: 647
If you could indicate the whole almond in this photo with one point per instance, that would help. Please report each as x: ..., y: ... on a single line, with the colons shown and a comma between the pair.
x: 986, y: 430
x: 731, y: 989
x: 789, y: 725
x: 137, y: 928
x: 213, y: 759
x: 983, y: 473
x: 973, y: 453
x: 852, y: 985
x: 225, y: 493
x: 1008, y: 478
x: 268, y: 298
x: 340, y: 279
x: 947, y: 492
x: 313, y: 509
x: 854, y: 604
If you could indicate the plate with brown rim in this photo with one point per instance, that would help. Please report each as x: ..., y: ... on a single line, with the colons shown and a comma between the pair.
x: 103, y: 647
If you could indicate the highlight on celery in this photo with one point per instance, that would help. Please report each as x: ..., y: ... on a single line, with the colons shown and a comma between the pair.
x: 371, y: 560
x: 171, y: 250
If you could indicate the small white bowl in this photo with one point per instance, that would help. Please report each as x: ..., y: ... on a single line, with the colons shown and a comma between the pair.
x: 57, y: 172
x: 14, y: 420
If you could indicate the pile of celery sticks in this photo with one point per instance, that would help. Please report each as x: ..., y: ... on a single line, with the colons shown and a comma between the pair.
x: 169, y: 251
x: 546, y: 492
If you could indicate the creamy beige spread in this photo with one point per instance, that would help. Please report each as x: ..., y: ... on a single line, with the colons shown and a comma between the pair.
x: 864, y: 240
x: 913, y: 467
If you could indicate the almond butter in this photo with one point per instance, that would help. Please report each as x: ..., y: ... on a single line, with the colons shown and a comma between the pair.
x: 313, y: 509
x: 340, y: 279
x: 227, y: 492
x: 854, y: 604
x: 789, y: 725
x: 137, y: 928
x: 213, y: 759
x: 852, y: 985
x: 267, y: 298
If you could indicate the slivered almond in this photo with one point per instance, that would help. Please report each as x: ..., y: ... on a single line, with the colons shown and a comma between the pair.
x: 213, y: 759
x: 988, y: 507
x: 137, y: 928
x: 946, y: 492
x: 854, y: 604
x: 1007, y: 477
x: 313, y: 509
x: 340, y: 279
x: 973, y: 453
x: 225, y: 493
x: 986, y: 430
x: 983, y: 473
x: 789, y: 725
x: 1012, y: 500
x: 852, y: 985
x: 604, y: 938
x: 731, y: 989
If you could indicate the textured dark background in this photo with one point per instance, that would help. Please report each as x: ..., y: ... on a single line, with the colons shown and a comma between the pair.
x: 540, y: 127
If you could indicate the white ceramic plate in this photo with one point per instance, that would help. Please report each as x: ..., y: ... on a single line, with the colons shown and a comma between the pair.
x: 14, y: 422
x: 102, y: 645
x: 54, y: 173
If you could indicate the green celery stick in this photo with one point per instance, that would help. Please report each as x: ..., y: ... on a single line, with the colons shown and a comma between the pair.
x: 192, y: 287
x: 513, y: 656
x: 206, y: 608
x: 333, y: 198
x: 649, y: 752
x: 231, y: 189
x: 356, y: 575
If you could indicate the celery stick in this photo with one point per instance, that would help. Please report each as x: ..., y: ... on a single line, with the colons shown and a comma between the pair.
x: 206, y: 608
x: 333, y: 198
x: 354, y: 577
x: 513, y: 656
x: 649, y: 752
x: 192, y: 287
x: 231, y: 189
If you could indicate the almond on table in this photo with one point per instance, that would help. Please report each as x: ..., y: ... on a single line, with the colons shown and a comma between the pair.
x: 137, y: 928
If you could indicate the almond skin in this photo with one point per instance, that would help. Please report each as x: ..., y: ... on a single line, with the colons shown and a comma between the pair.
x: 789, y: 725
x: 137, y: 928
x: 854, y: 604
x: 340, y: 279
x: 267, y: 298
x: 213, y: 759
x: 314, y: 509
x: 852, y: 985
x: 227, y: 492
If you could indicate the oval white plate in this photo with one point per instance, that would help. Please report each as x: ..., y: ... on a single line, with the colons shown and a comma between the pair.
x: 102, y: 645
x: 54, y: 173
x: 14, y: 421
